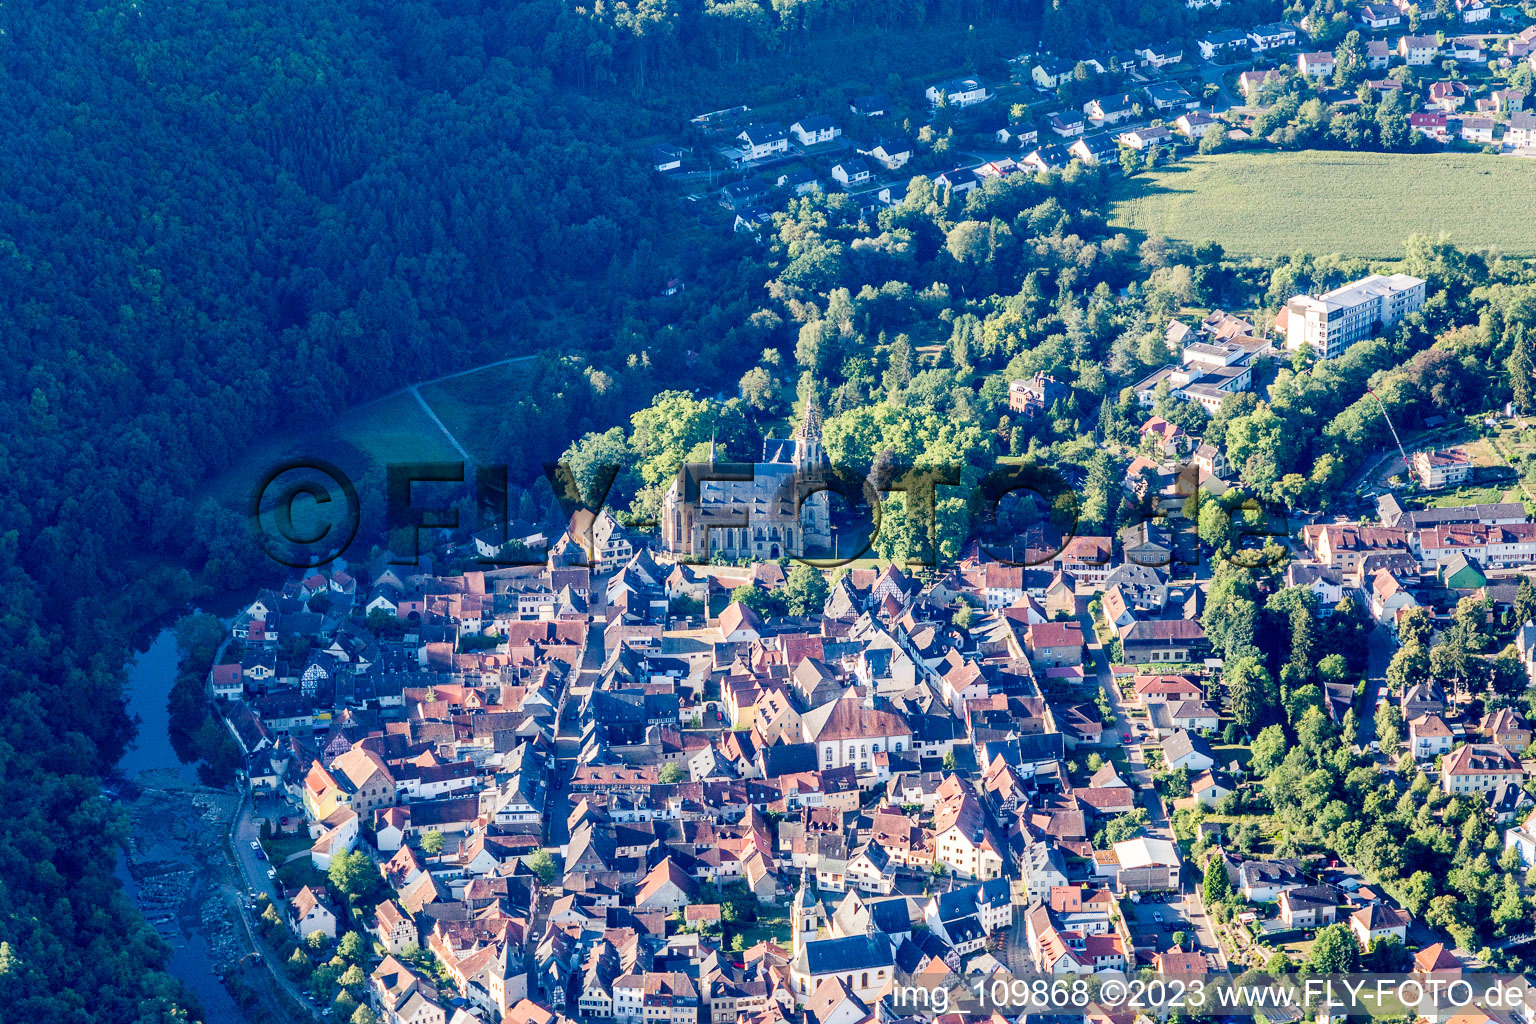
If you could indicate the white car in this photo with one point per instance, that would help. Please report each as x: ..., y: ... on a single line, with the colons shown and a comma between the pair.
x: 255, y: 845
x: 271, y: 874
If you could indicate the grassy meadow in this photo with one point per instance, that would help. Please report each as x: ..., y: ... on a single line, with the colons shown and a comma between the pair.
x: 360, y: 442
x: 466, y: 403
x: 1355, y: 204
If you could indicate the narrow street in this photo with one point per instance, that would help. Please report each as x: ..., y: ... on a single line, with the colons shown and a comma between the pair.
x: 1130, y: 731
x: 253, y: 869
x: 253, y: 873
x: 1381, y: 649
x: 1015, y: 952
x: 568, y: 725
x: 1188, y: 912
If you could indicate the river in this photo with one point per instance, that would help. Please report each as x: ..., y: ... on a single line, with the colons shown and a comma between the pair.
x: 172, y: 887
x: 149, y: 685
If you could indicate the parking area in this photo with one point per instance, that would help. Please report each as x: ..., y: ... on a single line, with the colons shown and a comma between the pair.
x: 253, y: 857
x: 1159, y: 916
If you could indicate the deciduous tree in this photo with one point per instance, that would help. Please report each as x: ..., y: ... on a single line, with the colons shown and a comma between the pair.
x: 1251, y: 692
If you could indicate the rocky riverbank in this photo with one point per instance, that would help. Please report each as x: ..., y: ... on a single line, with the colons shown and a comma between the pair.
x: 180, y: 876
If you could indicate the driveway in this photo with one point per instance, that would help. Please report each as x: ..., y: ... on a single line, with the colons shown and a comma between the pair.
x: 1215, y: 74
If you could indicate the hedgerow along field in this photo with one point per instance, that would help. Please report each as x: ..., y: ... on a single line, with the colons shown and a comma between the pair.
x: 1354, y: 204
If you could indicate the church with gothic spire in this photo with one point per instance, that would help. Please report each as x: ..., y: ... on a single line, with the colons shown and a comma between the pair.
x: 759, y: 513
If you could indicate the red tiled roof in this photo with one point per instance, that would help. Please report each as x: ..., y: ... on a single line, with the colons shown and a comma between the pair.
x: 1055, y: 634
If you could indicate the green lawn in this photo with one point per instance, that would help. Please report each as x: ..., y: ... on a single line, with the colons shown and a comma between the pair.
x: 1482, y: 452
x: 1517, y: 446
x: 279, y: 850
x: 1235, y: 819
x: 1296, y: 948
x: 761, y: 930
x: 1242, y: 753
x: 298, y: 874
x: 1356, y: 204
x: 1515, y: 441
x: 1457, y: 496
x: 394, y: 429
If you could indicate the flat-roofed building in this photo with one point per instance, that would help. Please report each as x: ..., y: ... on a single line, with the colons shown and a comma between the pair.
x: 1337, y: 319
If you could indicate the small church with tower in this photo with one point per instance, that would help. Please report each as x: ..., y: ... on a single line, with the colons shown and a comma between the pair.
x: 863, y: 961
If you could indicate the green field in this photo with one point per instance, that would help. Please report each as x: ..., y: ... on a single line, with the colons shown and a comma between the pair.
x: 393, y: 429
x: 363, y: 440
x: 1355, y: 204
x: 1458, y: 496
x: 1515, y: 444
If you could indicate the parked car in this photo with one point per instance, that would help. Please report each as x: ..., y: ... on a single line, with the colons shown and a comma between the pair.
x: 271, y: 874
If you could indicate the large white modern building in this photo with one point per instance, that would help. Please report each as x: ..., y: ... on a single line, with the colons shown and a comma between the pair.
x: 1338, y: 319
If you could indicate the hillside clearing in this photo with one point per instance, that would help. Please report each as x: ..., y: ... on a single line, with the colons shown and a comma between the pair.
x: 359, y: 441
x: 1356, y: 204
x: 468, y: 405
